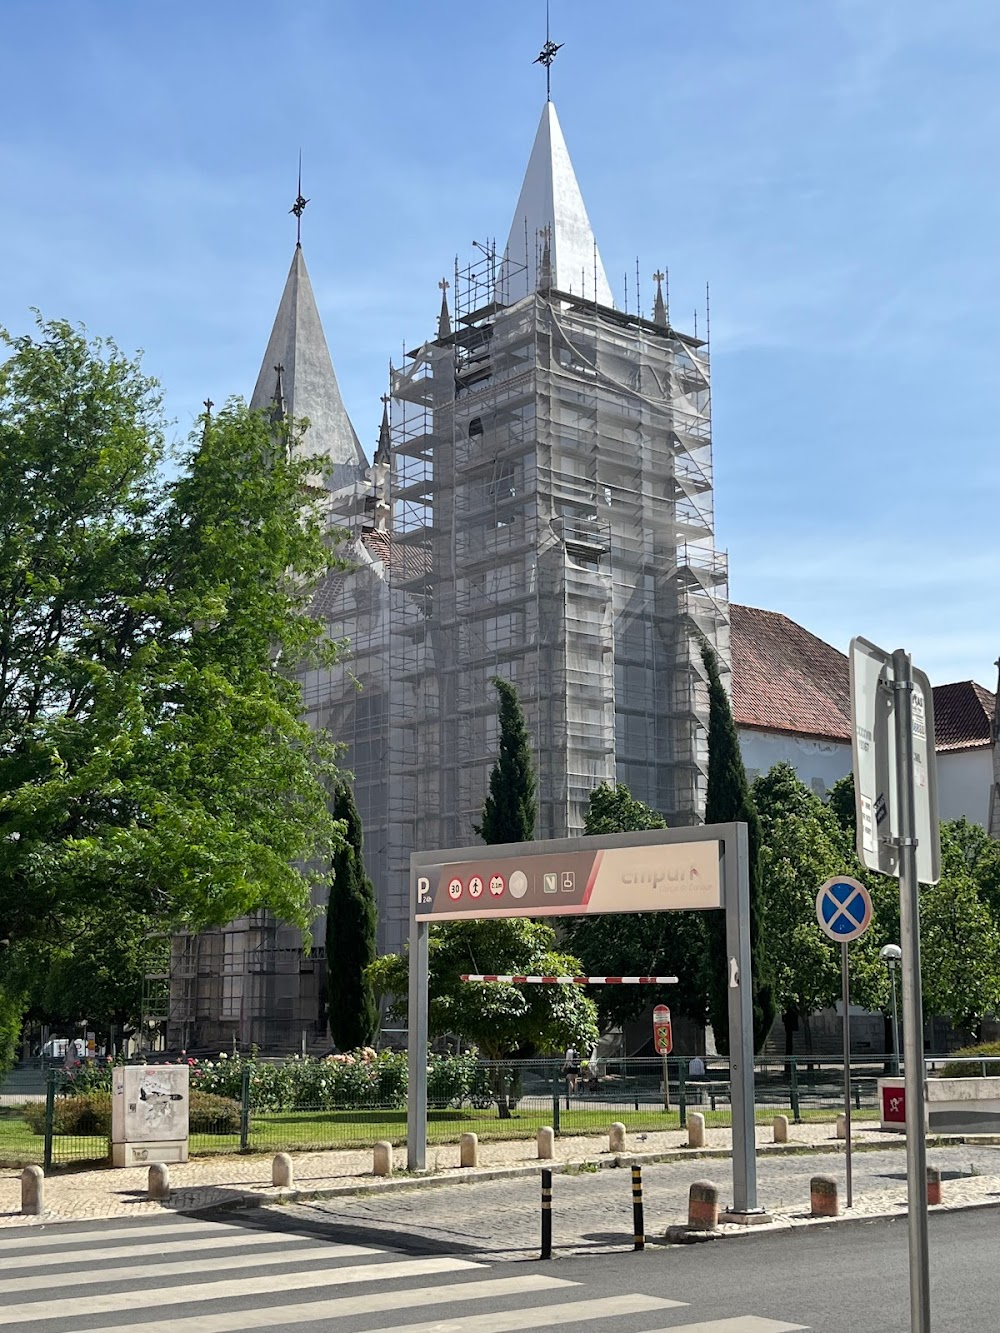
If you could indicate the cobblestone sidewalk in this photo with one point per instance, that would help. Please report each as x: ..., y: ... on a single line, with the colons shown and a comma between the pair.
x: 207, y: 1182
x: 591, y: 1212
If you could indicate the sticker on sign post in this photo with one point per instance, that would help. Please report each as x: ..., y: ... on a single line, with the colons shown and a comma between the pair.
x: 843, y: 909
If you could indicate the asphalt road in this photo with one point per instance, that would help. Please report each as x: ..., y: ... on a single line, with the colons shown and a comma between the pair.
x: 276, y: 1270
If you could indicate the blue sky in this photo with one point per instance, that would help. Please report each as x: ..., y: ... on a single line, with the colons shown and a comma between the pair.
x: 830, y: 166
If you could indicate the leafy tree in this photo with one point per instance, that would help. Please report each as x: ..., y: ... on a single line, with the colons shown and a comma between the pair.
x: 639, y: 944
x: 842, y: 807
x: 500, y: 1020
x: 728, y: 798
x: 153, y: 760
x: 351, y: 921
x: 802, y: 845
x: 510, y: 810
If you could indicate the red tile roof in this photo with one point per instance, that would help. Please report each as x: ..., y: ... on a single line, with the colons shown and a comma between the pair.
x: 786, y: 679
x: 963, y: 715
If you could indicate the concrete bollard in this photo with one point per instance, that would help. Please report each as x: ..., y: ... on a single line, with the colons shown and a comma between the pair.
x: 696, y: 1129
x: 841, y: 1126
x: 159, y: 1181
x: 468, y: 1148
x: 823, y: 1197
x: 781, y: 1129
x: 546, y: 1143
x: 933, y: 1185
x: 282, y: 1171
x: 616, y: 1137
x: 703, y: 1206
x: 32, y: 1191
x: 382, y: 1161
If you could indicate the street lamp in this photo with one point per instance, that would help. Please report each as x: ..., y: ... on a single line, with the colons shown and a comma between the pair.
x: 891, y: 954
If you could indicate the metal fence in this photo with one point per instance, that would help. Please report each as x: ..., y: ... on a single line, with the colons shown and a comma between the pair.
x: 61, y: 1127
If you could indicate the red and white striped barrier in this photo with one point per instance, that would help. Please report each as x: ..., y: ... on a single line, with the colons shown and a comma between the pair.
x: 571, y: 981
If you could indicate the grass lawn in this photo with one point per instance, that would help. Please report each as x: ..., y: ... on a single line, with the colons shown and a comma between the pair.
x: 318, y: 1131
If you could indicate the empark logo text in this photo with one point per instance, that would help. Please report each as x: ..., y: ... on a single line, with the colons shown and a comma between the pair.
x: 680, y: 875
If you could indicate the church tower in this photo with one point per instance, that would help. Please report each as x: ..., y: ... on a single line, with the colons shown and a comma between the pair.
x: 553, y: 524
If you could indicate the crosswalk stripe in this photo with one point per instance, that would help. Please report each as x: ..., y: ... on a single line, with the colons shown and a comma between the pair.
x: 348, y: 1307
x: 542, y: 1316
x: 747, y: 1323
x: 229, y: 1240
x: 136, y: 1229
x: 182, y: 1267
x: 79, y: 1307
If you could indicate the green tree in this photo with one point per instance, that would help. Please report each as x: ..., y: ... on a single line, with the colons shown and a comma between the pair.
x: 802, y: 845
x: 510, y: 811
x: 351, y: 921
x: 729, y: 799
x: 501, y: 1020
x: 153, y: 760
x: 842, y: 807
x: 639, y: 944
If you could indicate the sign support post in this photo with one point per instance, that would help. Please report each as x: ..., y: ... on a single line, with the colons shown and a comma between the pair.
x: 913, y: 1009
x: 416, y: 1099
x: 736, y: 897
x: 845, y: 986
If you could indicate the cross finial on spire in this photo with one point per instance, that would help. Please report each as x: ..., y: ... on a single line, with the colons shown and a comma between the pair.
x: 208, y: 404
x: 547, y: 55
x: 299, y: 207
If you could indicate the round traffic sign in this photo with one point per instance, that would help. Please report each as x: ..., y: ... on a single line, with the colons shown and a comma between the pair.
x: 843, y: 909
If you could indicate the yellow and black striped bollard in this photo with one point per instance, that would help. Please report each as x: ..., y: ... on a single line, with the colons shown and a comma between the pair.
x: 546, y: 1215
x: 638, y: 1225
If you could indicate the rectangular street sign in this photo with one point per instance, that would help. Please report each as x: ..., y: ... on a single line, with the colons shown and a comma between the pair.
x: 671, y: 876
x: 873, y: 746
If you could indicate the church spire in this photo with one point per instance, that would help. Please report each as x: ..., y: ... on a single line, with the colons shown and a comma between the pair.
x: 444, y: 318
x: 660, y: 316
x: 550, y: 199
x: 297, y: 380
x: 383, y: 452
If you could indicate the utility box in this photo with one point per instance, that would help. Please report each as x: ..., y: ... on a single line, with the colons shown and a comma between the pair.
x: 149, y: 1114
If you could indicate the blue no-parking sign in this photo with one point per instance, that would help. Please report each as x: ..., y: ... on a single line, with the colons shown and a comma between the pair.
x: 843, y: 909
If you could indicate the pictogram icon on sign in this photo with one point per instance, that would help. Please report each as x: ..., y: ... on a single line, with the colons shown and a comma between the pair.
x: 550, y: 882
x: 476, y: 887
x: 455, y: 890
x: 843, y: 909
x: 568, y: 881
x: 497, y: 885
x: 518, y: 884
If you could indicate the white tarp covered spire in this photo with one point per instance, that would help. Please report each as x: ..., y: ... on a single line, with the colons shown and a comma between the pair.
x: 550, y: 199
x: 308, y: 384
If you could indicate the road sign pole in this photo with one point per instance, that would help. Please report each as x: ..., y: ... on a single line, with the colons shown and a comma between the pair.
x: 845, y: 987
x: 913, y: 1018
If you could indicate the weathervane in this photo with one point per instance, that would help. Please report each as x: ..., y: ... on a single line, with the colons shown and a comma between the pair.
x: 547, y: 55
x: 299, y: 207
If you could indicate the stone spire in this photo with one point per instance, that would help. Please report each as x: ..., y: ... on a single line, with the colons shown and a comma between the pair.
x: 444, y: 319
x: 660, y: 316
x: 550, y: 198
x: 383, y: 453
x: 297, y: 380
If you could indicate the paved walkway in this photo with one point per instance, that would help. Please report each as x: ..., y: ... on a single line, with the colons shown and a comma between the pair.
x: 207, y: 1182
x: 592, y: 1212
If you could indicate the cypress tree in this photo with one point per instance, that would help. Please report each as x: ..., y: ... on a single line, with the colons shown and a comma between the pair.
x: 729, y: 799
x: 351, y: 920
x: 510, y: 809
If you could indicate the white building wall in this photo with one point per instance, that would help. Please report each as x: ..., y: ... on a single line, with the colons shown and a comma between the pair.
x: 964, y: 781
x: 818, y: 763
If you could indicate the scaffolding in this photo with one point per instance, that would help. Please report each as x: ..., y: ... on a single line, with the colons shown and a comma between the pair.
x: 550, y: 521
x: 552, y: 524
